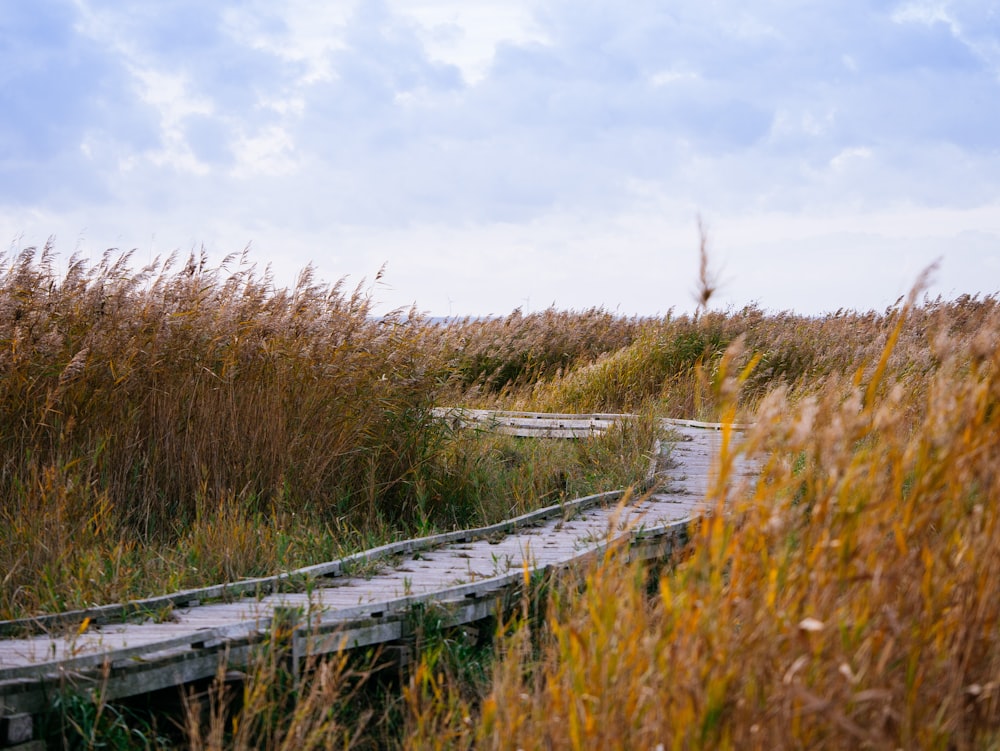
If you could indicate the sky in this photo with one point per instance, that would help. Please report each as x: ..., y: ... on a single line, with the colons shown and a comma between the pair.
x: 500, y: 154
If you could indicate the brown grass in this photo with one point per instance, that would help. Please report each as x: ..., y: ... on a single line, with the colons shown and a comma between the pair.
x: 183, y: 425
x: 181, y: 418
x: 673, y: 362
x: 848, y: 599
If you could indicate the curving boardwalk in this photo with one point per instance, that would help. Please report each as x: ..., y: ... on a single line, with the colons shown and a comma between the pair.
x: 362, y: 600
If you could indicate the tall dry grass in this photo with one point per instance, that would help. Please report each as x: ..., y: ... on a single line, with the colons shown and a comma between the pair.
x: 493, y: 358
x: 673, y: 361
x: 182, y: 424
x: 138, y: 406
x: 849, y: 598
x: 272, y: 709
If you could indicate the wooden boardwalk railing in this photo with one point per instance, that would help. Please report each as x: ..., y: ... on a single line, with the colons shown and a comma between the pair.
x: 364, y: 599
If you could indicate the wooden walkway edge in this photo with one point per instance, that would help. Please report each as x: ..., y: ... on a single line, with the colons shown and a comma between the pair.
x: 553, y: 424
x: 146, y: 645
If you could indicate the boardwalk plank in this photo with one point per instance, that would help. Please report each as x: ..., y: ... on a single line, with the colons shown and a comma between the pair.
x: 468, y: 564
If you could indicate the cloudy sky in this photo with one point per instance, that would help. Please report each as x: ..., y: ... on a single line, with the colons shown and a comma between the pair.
x: 499, y: 154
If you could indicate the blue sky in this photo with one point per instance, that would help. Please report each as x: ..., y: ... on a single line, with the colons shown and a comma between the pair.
x: 517, y: 154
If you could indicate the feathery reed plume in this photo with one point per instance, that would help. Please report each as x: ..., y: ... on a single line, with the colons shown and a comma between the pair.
x: 708, y: 281
x: 74, y: 368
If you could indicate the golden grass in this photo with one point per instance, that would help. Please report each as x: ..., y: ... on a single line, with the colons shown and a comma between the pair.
x: 180, y: 425
x: 850, y: 598
x: 672, y: 362
x: 183, y: 425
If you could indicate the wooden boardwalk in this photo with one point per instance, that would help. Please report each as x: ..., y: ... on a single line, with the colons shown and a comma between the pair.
x: 358, y: 601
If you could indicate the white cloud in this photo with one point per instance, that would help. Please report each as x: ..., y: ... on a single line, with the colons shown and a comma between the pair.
x: 927, y: 13
x: 670, y: 76
x: 850, y: 156
x: 976, y: 25
x: 170, y: 95
x: 270, y: 152
x: 556, y: 142
x: 307, y: 33
x: 466, y: 35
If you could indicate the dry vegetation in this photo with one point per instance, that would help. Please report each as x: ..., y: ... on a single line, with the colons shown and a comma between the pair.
x: 182, y: 425
x: 849, y: 598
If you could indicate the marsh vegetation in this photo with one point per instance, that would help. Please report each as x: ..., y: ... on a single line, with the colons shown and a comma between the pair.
x: 179, y: 424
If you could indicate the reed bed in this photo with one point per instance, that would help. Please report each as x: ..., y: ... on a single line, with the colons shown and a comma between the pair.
x: 495, y: 357
x: 847, y: 599
x: 183, y: 424
x: 672, y: 362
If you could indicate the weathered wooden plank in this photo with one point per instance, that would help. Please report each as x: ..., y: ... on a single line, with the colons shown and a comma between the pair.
x: 345, y: 635
x: 520, y: 431
x: 16, y: 729
x: 41, y: 663
x: 470, y: 566
x: 570, y: 423
x: 196, y: 597
x: 495, y: 416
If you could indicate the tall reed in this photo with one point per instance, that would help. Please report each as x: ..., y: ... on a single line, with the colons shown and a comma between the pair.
x: 184, y: 424
x: 582, y: 364
x: 849, y: 598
